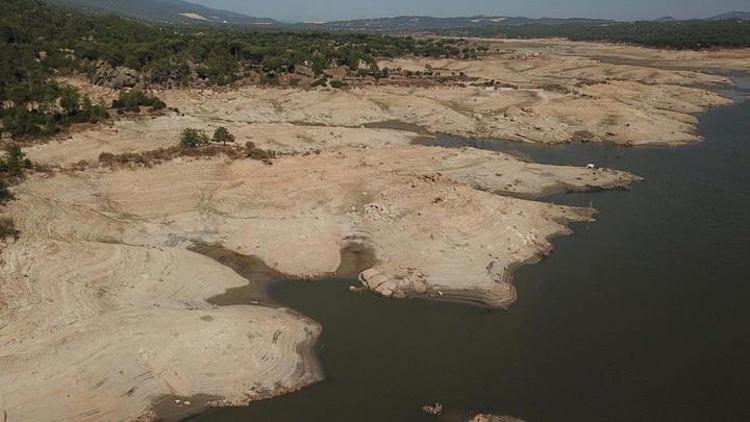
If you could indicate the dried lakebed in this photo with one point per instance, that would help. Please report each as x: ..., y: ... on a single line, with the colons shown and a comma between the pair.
x: 114, y: 255
x: 639, y: 316
x: 105, y: 309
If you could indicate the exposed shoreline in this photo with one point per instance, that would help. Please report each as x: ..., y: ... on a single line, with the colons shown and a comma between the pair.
x: 95, y: 209
x: 104, y: 248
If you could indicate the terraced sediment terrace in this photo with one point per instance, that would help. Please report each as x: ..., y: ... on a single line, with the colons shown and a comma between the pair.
x: 106, y: 306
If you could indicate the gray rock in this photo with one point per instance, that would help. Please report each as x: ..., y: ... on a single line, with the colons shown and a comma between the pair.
x: 117, y: 77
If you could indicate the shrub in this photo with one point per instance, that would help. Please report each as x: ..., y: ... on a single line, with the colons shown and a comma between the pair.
x: 70, y: 101
x: 323, y: 81
x: 15, y: 161
x: 337, y: 84
x: 193, y: 138
x: 5, y: 194
x: 269, y: 78
x: 8, y: 228
x: 107, y: 158
x: 159, y: 105
x: 132, y: 101
x: 94, y: 113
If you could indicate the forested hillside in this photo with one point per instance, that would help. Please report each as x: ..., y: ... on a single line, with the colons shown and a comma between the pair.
x: 694, y: 34
x: 166, y: 11
x: 39, y: 41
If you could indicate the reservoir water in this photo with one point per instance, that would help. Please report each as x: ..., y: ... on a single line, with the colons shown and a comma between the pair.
x: 643, y: 315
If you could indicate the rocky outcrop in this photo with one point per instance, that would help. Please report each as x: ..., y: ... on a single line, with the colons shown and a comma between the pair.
x: 117, y: 77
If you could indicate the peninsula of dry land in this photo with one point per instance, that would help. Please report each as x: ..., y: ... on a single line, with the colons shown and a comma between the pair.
x: 104, y: 309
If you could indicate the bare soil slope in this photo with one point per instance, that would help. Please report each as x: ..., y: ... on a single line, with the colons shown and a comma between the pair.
x: 104, y: 310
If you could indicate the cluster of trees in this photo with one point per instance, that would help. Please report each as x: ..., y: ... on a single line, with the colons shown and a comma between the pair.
x: 31, y: 104
x: 193, y: 138
x: 132, y: 101
x: 38, y: 41
x: 175, y: 53
x: 693, y: 34
x: 31, y: 107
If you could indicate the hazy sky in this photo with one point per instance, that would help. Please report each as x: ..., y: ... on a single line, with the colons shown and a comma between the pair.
x: 298, y: 10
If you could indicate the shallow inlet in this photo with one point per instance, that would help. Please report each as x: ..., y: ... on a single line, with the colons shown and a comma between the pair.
x: 641, y: 316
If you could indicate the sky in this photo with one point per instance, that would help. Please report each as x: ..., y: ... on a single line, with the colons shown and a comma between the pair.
x: 302, y: 10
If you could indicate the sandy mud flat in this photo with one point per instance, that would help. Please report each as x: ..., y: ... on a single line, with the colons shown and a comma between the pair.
x: 104, y: 309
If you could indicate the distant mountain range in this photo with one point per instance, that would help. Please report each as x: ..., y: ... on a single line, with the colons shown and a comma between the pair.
x: 182, y: 12
x: 425, y: 23
x: 665, y: 19
x: 740, y: 16
x: 166, y: 11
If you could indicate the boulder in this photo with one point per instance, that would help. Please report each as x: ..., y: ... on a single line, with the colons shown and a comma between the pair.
x: 435, y: 409
x: 117, y: 77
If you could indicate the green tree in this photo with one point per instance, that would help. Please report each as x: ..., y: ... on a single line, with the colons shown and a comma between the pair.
x: 15, y: 161
x: 222, y: 135
x: 93, y: 112
x: 70, y: 102
x: 193, y: 138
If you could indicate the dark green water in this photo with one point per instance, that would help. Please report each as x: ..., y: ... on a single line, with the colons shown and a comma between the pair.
x: 641, y: 316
